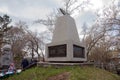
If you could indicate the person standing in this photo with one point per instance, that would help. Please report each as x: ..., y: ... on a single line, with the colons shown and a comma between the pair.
x: 24, y: 63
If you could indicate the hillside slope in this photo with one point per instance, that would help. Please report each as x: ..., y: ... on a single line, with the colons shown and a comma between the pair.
x: 65, y: 73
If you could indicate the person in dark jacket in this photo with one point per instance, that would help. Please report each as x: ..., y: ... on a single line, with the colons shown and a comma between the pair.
x: 24, y: 63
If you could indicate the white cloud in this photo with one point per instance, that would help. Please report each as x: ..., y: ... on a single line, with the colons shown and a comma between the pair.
x: 32, y: 12
x: 106, y: 2
x: 4, y: 10
x: 97, y: 4
x: 26, y: 8
x: 29, y: 10
x: 37, y: 28
x: 87, y: 17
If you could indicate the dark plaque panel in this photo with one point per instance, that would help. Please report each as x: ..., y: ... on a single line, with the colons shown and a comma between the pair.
x: 78, y: 51
x: 57, y: 51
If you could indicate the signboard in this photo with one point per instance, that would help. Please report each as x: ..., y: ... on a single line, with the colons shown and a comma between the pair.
x: 57, y: 51
x: 78, y: 51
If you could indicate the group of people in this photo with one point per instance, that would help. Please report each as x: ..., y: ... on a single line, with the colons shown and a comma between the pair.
x: 11, y: 69
x: 6, y: 61
x: 7, y: 64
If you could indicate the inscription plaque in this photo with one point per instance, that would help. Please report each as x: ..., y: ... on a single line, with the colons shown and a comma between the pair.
x: 57, y: 51
x: 78, y: 51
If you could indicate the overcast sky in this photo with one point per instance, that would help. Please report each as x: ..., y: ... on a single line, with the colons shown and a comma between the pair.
x: 30, y: 10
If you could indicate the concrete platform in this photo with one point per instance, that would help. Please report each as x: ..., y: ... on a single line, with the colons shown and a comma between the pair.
x: 46, y: 64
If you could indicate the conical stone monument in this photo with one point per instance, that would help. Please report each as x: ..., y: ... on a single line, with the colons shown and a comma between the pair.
x: 65, y: 45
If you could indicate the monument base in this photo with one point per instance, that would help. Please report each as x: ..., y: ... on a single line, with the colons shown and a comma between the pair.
x: 66, y: 61
x: 47, y: 64
x: 65, y: 51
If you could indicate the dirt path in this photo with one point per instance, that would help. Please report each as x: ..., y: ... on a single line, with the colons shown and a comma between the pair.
x: 62, y: 76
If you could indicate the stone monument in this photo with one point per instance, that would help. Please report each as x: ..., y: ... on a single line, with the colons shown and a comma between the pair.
x: 65, y: 45
x: 6, y: 57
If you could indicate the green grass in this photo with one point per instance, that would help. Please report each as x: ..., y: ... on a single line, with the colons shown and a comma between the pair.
x: 76, y: 73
